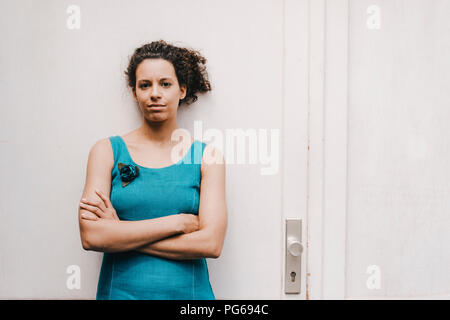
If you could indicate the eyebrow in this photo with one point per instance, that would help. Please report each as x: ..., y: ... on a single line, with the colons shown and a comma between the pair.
x: 165, y: 78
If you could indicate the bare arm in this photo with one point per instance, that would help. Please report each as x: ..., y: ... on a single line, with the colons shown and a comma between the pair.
x: 194, y: 245
x: 207, y: 242
x: 109, y: 235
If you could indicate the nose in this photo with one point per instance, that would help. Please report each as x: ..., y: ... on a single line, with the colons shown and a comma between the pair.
x: 155, y: 92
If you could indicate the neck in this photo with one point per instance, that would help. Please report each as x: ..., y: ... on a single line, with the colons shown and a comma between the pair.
x: 159, y: 133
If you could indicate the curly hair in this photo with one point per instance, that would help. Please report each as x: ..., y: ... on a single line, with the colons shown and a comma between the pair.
x: 189, y: 67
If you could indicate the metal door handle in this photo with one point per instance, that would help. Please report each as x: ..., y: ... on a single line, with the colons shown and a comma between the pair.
x: 294, y: 246
x: 294, y: 249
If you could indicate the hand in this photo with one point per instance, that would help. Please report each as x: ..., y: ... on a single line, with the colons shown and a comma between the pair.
x: 99, y: 209
x: 190, y: 222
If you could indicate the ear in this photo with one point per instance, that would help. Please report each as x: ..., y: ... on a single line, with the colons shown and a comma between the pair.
x: 183, y: 91
x: 134, y: 94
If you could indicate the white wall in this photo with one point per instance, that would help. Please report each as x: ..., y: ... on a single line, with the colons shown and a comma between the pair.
x: 62, y: 90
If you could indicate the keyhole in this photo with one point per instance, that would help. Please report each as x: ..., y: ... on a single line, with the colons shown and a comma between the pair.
x: 293, y: 276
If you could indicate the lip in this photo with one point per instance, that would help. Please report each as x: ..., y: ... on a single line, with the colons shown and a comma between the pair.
x: 156, y: 106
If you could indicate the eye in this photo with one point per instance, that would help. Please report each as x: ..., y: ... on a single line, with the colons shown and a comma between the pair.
x: 166, y: 84
x: 143, y: 85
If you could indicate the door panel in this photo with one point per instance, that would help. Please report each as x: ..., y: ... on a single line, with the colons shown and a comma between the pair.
x: 397, y: 220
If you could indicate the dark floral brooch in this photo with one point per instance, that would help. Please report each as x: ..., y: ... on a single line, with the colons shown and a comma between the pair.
x: 128, y: 172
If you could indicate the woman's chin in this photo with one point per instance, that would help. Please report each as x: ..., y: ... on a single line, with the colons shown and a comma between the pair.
x: 156, y: 118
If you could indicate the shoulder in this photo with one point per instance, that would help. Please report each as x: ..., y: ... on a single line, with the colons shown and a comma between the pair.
x: 131, y: 137
x: 212, y: 159
x: 102, y: 145
x: 102, y: 151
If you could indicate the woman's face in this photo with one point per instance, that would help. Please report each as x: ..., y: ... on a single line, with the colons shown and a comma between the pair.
x: 156, y: 83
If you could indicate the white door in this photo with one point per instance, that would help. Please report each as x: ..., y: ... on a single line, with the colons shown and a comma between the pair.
x: 268, y: 82
x: 386, y: 221
x: 63, y: 89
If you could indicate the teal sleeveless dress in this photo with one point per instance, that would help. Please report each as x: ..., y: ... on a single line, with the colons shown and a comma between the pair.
x: 154, y: 193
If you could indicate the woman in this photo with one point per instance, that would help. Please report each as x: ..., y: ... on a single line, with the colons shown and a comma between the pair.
x: 144, y: 209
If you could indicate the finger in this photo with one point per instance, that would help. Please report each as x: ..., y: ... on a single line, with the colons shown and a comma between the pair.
x: 104, y: 198
x: 96, y: 203
x: 89, y: 216
x: 92, y: 209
